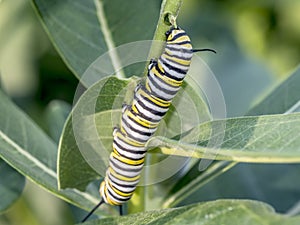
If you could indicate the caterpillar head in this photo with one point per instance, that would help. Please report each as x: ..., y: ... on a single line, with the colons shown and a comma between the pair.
x: 172, y: 32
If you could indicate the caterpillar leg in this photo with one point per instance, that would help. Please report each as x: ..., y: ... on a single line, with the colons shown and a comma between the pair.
x: 152, y: 63
x: 121, y: 210
x: 124, y: 107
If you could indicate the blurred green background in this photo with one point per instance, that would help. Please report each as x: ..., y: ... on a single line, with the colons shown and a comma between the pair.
x: 258, y: 44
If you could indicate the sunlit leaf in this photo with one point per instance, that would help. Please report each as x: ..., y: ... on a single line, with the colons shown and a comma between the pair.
x: 247, y: 139
x: 244, y: 212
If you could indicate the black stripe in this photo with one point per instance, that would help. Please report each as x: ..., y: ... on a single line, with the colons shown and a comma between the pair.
x: 165, y: 91
x: 125, y: 186
x: 159, y: 100
x: 178, y: 36
x: 181, y: 43
x: 117, y: 197
x: 144, y: 97
x: 134, y: 129
x: 159, y: 87
x: 133, y: 159
x: 125, y: 169
x: 134, y: 113
x: 175, y: 62
x: 177, y: 56
x: 174, y: 69
x: 134, y: 183
x: 126, y: 192
x: 141, y: 103
x: 128, y: 150
x: 184, y: 50
x: 110, y: 175
x: 136, y: 139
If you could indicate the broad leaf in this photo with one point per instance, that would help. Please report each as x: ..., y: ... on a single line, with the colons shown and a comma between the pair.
x: 73, y: 169
x: 26, y: 148
x: 275, y: 184
x: 263, y: 139
x: 56, y: 114
x: 84, y: 30
x: 244, y: 212
x: 282, y: 99
x: 11, y: 185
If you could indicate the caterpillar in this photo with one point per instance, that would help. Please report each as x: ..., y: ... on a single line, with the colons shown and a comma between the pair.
x: 141, y: 118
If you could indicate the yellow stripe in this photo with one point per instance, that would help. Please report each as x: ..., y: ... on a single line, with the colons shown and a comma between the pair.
x: 156, y: 100
x: 180, y: 39
x: 188, y: 45
x: 134, y: 108
x: 129, y: 141
x: 180, y: 61
x: 120, y: 177
x: 125, y: 160
x: 147, y: 85
x: 160, y: 67
x: 168, y: 80
x: 109, y: 200
x: 142, y: 121
x: 122, y: 130
x: 118, y: 191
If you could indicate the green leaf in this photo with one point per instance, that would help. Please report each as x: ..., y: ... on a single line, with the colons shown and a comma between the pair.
x: 11, y: 185
x: 280, y: 189
x: 282, y: 99
x: 56, y: 114
x: 264, y: 139
x: 73, y: 170
x: 225, y: 212
x: 84, y: 30
x: 25, y: 147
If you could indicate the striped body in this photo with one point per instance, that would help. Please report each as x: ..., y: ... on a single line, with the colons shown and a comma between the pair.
x: 140, y: 119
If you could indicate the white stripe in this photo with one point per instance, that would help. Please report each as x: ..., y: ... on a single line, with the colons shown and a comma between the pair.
x: 163, y: 84
x: 128, y: 146
x: 116, y: 194
x: 123, y: 172
x: 128, y: 154
x: 135, y: 135
x: 122, y: 188
x: 137, y: 126
x: 160, y: 93
x: 178, y: 52
x: 146, y: 112
x: 121, y: 182
x: 172, y: 72
x: 30, y: 157
x: 151, y: 105
x: 175, y: 65
x: 179, y: 47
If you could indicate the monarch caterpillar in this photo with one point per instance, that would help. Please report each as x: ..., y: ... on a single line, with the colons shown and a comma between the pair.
x: 141, y: 118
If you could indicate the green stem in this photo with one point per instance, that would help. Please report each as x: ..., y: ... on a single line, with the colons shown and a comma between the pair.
x: 169, y: 9
x: 212, y: 172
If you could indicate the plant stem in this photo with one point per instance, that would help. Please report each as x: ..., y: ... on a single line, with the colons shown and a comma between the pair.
x: 168, y: 8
